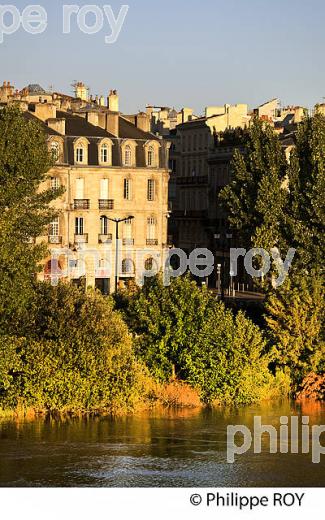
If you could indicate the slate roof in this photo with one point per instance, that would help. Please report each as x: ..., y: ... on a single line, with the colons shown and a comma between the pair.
x: 46, y: 129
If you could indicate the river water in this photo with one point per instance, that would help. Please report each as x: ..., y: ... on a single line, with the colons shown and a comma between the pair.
x: 158, y: 449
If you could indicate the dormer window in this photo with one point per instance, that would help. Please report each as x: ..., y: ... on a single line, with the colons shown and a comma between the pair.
x: 80, y: 154
x: 128, y: 156
x: 105, y: 152
x: 81, y: 151
x: 151, y: 155
x: 55, y: 151
x: 55, y: 147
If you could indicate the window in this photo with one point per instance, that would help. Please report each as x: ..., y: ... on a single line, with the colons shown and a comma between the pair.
x: 104, y: 154
x: 151, y: 228
x: 128, y: 156
x: 127, y: 232
x: 79, y: 226
x: 80, y: 185
x: 127, y: 189
x: 55, y: 150
x: 150, y: 264
x: 151, y: 156
x: 55, y: 183
x: 104, y: 225
x: 104, y: 189
x: 151, y: 189
x: 80, y: 154
x: 54, y: 228
x: 127, y: 266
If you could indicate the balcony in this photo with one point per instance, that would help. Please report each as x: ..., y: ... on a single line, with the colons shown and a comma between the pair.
x: 81, y: 239
x: 81, y: 204
x: 105, y: 239
x: 106, y: 204
x: 152, y: 241
x: 55, y: 239
x: 128, y: 241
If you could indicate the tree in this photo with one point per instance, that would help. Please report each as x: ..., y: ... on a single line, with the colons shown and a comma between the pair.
x: 305, y: 215
x: 182, y: 331
x: 295, y: 318
x: 24, y: 211
x: 77, y: 355
x: 255, y: 199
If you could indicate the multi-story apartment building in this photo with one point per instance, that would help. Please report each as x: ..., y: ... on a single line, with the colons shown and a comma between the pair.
x: 192, y: 188
x: 111, y: 170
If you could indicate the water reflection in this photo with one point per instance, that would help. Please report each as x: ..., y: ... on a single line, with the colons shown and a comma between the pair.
x: 162, y: 448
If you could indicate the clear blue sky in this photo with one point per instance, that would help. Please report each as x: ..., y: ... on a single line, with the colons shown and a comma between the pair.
x: 181, y: 52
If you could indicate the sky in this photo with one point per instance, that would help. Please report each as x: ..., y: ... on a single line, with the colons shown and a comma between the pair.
x: 178, y: 53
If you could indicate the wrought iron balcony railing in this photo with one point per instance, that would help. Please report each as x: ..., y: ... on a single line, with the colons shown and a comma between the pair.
x: 106, y: 204
x: 81, y: 204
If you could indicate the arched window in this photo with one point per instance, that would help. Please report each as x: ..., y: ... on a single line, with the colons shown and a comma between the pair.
x: 104, y: 225
x: 55, y: 150
x: 127, y: 266
x: 150, y: 264
x: 128, y: 155
x: 151, y: 156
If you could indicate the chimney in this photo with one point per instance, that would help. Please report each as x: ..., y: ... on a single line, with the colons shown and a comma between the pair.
x: 112, y: 123
x: 102, y: 101
x: 57, y: 124
x: 102, y: 120
x: 143, y: 122
x: 113, y: 101
x: 92, y: 117
x: 45, y: 111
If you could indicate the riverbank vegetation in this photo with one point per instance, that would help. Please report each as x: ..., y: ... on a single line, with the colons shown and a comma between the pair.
x: 66, y: 350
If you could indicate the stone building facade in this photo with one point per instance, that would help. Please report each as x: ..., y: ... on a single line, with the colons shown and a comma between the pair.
x: 111, y: 169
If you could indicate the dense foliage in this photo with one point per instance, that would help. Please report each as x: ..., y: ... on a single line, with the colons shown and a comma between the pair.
x: 78, y: 358
x: 295, y: 318
x: 24, y: 211
x: 255, y: 200
x: 182, y: 331
x: 274, y: 202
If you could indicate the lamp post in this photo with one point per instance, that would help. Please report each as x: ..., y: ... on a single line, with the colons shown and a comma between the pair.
x: 223, y: 239
x: 117, y: 222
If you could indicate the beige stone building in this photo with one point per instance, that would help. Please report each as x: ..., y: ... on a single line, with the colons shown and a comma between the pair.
x: 111, y: 169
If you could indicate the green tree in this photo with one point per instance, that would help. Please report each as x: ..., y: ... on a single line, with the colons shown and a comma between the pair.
x: 305, y: 215
x: 295, y: 318
x: 255, y: 199
x: 24, y: 211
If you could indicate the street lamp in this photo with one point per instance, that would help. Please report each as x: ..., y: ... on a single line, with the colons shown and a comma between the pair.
x: 117, y: 222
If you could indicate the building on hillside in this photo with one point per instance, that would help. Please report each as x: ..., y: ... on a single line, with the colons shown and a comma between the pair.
x: 110, y: 169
